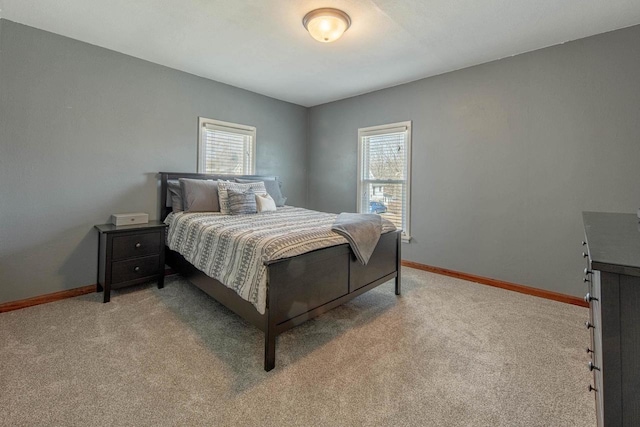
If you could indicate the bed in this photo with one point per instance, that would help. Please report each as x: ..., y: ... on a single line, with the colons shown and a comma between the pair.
x: 298, y: 287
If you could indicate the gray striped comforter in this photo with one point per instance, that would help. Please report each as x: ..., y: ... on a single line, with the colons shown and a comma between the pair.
x: 232, y: 248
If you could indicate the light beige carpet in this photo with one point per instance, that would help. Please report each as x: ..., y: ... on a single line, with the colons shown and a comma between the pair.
x: 445, y: 353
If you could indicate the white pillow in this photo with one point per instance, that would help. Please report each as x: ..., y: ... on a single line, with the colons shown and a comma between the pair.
x: 265, y: 203
x: 223, y: 196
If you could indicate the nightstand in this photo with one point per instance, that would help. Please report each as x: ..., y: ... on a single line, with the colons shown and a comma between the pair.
x: 129, y: 255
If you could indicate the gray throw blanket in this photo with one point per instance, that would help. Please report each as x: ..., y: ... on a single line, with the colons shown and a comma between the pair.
x: 362, y: 231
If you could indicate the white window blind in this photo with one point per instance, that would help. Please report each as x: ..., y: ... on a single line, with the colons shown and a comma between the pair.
x: 226, y: 148
x: 384, y: 162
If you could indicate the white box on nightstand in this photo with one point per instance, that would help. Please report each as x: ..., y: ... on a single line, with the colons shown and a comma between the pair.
x: 129, y: 218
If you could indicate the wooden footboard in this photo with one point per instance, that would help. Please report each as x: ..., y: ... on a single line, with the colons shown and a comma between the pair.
x: 308, y: 285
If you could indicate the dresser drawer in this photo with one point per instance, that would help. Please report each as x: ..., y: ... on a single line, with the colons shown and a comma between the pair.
x: 599, y: 393
x: 596, y: 314
x: 132, y: 269
x: 136, y: 245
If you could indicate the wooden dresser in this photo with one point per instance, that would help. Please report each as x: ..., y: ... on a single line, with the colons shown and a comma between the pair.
x: 612, y: 249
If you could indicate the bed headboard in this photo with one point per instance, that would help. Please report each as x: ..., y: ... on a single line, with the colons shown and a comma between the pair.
x: 167, y: 176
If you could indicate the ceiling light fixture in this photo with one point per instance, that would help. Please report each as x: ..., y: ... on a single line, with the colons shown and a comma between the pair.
x: 326, y: 25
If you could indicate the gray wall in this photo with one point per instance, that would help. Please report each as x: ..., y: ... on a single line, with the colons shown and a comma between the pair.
x: 506, y: 155
x: 83, y: 131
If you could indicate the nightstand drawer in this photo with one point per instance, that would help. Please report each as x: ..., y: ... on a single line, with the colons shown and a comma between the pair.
x: 132, y: 269
x: 136, y: 245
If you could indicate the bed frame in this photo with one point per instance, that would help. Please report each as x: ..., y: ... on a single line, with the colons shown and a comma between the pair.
x: 298, y: 288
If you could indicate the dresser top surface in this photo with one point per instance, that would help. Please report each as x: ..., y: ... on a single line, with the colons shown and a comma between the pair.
x: 613, y: 239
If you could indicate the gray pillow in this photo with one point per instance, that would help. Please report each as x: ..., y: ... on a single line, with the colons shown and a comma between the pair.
x: 242, y: 202
x: 272, y: 186
x: 225, y: 186
x: 199, y: 195
x: 174, y: 195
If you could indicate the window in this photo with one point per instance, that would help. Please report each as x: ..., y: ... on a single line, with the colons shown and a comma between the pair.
x: 384, y: 171
x: 226, y: 148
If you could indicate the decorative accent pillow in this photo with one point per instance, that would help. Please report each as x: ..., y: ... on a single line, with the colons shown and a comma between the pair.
x: 272, y: 186
x: 199, y: 195
x: 224, y: 186
x: 265, y: 203
x: 174, y: 195
x: 242, y: 202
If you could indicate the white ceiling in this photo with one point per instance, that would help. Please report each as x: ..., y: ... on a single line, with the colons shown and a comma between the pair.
x: 261, y: 45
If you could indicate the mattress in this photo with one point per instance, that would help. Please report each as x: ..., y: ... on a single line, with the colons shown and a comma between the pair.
x: 233, y: 249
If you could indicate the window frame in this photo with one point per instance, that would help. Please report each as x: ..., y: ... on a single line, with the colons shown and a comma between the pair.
x: 228, y: 127
x: 380, y: 129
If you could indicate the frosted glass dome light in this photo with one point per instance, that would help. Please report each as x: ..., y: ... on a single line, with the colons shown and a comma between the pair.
x: 326, y: 25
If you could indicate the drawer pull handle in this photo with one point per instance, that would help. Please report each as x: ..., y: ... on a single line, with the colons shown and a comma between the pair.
x: 585, y: 280
x: 587, y: 271
x: 592, y: 388
x: 589, y: 350
x: 136, y: 268
x: 588, y: 298
x: 138, y: 245
x: 592, y: 366
x: 584, y: 254
x: 584, y: 243
x: 588, y: 325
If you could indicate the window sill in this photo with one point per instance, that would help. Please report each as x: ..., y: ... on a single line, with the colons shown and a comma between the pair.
x: 406, y: 239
